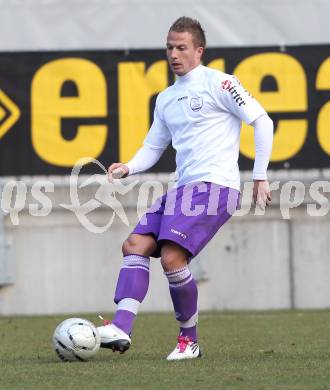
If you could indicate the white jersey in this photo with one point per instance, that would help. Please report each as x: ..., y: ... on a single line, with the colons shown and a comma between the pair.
x: 201, y: 115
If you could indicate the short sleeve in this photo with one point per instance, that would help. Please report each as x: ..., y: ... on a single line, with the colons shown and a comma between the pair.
x: 159, y: 136
x: 236, y: 99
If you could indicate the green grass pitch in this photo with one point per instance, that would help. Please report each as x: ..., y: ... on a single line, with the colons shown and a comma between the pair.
x: 242, y: 350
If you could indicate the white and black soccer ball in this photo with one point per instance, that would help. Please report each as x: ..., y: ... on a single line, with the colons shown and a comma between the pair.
x: 76, y: 339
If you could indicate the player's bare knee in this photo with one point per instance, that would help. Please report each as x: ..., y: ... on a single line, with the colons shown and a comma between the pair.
x: 135, y: 244
x: 173, y: 257
x: 171, y: 263
x: 132, y: 245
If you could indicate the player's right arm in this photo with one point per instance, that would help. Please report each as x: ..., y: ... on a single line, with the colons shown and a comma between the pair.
x: 145, y: 158
x: 155, y: 143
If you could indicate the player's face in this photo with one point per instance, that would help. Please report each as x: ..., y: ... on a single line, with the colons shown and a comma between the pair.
x: 181, y: 52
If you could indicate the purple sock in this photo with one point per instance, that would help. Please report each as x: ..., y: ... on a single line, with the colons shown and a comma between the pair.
x: 183, y: 290
x: 132, y: 287
x: 124, y: 320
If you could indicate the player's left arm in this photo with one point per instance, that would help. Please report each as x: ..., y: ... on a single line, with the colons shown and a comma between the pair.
x: 236, y: 99
x: 263, y: 139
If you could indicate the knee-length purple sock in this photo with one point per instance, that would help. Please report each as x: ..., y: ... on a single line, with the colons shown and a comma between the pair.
x: 132, y: 287
x: 183, y: 290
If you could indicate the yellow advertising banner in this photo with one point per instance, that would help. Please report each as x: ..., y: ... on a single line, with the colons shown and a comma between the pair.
x: 57, y: 107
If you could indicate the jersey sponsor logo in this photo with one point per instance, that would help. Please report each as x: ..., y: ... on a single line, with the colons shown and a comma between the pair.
x: 196, y: 103
x: 227, y: 86
x: 179, y: 233
x: 182, y: 98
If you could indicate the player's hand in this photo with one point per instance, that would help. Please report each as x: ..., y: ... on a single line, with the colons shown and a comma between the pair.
x: 117, y: 171
x: 261, y: 193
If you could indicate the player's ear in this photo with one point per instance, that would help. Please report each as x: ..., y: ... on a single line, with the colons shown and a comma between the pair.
x: 200, y: 51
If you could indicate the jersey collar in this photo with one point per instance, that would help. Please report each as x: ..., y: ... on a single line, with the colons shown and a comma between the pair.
x: 194, y: 74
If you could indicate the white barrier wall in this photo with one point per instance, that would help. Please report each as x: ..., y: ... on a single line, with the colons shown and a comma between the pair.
x: 135, y: 24
x: 254, y: 262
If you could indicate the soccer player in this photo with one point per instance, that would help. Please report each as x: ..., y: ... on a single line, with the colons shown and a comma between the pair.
x: 201, y: 115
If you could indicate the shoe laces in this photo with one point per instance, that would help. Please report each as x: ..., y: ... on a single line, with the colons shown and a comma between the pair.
x: 183, y: 341
x: 105, y: 322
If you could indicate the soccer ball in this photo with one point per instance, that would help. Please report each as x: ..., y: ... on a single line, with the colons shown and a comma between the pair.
x: 76, y: 339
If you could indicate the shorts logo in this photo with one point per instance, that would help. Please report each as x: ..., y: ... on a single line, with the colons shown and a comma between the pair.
x: 226, y: 84
x: 196, y: 103
x: 182, y: 235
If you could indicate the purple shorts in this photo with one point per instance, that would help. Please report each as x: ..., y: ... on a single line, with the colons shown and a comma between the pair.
x: 189, y: 215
